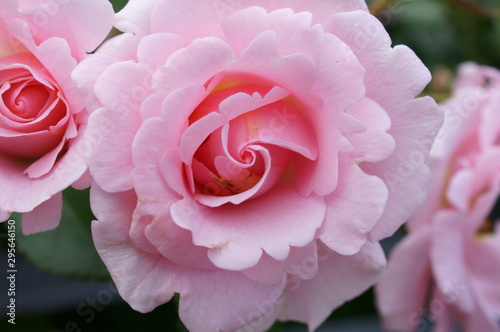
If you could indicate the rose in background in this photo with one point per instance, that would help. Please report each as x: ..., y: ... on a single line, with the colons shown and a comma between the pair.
x: 450, y: 261
x: 42, y: 117
x: 251, y: 154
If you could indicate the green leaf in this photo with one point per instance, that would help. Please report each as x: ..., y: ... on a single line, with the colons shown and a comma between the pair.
x: 67, y: 250
x: 118, y: 4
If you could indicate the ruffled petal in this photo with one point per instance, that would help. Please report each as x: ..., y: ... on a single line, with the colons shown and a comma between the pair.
x: 339, y: 279
x: 44, y: 217
x: 238, y: 235
x: 353, y: 209
x: 402, y: 292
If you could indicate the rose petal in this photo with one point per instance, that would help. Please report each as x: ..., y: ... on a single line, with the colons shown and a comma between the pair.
x: 4, y: 215
x: 447, y: 261
x: 301, y: 262
x: 196, y: 64
x: 149, y: 288
x: 176, y: 243
x: 246, y: 302
x: 235, y: 234
x: 44, y: 217
x: 191, y: 19
x: 119, y: 48
x: 353, y: 209
x: 414, y: 122
x: 230, y: 108
x: 373, y: 144
x: 156, y: 48
x: 339, y: 279
x: 401, y: 294
x: 82, y: 24
x: 405, y: 172
x: 119, y: 118
x: 484, y: 274
x: 32, y: 192
x: 134, y: 18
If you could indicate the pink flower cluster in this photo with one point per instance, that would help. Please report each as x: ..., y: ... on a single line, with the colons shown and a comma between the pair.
x: 246, y: 155
x: 448, y: 267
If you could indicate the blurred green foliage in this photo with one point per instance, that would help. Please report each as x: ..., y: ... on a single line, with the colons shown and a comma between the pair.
x: 118, y: 4
x: 67, y: 250
x: 445, y: 33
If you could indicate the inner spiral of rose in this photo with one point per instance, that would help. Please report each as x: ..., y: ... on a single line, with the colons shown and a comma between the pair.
x: 249, y: 133
x: 32, y: 113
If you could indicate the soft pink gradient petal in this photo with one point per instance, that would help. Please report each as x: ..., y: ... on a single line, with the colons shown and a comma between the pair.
x: 4, y: 215
x: 443, y: 315
x: 137, y: 233
x: 336, y: 69
x: 402, y: 293
x: 460, y: 123
x: 149, y: 288
x: 176, y: 243
x: 124, y: 86
x: 85, y: 75
x: 44, y: 217
x: 56, y: 57
x: 84, y: 182
x: 83, y: 24
x: 230, y: 108
x: 295, y: 36
x: 135, y: 17
x: 273, y: 159
x: 262, y: 58
x: 373, y: 144
x: 236, y: 235
x: 405, y: 172
x: 339, y: 279
x: 479, y: 322
x: 147, y: 154
x: 119, y: 118
x: 264, y: 322
x: 446, y: 255
x: 189, y: 18
x: 473, y: 75
x: 196, y: 64
x: 246, y: 301
x: 106, y: 153
x: 44, y: 164
x: 178, y: 17
x: 489, y: 133
x: 458, y: 192
x: 154, y: 49
x: 393, y: 78
x: 353, y: 209
x: 8, y: 7
x: 32, y: 192
x: 301, y: 263
x: 484, y: 275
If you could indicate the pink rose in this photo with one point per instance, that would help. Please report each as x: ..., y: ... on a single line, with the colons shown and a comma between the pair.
x: 248, y: 155
x: 41, y: 114
x: 450, y: 261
